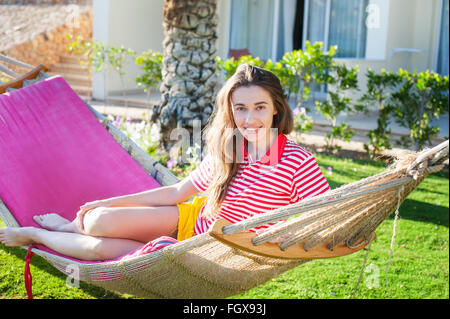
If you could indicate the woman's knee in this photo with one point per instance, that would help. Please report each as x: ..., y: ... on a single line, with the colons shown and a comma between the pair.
x: 96, y: 222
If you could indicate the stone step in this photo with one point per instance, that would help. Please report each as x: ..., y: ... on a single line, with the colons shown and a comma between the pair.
x: 72, y: 59
x: 76, y: 79
x: 82, y: 90
x: 64, y: 68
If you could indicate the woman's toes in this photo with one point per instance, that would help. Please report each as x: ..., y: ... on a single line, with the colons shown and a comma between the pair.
x: 16, y: 236
x: 51, y: 221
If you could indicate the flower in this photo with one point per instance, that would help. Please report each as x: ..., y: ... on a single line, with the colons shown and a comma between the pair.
x: 330, y: 170
x: 296, y: 111
x: 170, y: 164
x: 303, y: 110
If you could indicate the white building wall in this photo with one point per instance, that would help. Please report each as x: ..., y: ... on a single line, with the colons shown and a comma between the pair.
x: 135, y: 24
x: 223, y: 27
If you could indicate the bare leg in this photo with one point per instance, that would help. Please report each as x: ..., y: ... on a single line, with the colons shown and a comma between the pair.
x: 136, y: 223
x: 141, y: 224
x: 70, y: 244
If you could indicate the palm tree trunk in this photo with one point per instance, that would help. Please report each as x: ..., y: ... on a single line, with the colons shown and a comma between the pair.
x: 189, y: 81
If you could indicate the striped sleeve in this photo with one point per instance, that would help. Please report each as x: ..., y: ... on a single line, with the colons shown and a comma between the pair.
x: 202, y: 175
x: 308, y: 181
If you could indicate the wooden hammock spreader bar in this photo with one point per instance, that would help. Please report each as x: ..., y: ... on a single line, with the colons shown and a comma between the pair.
x: 243, y: 241
x: 17, y: 83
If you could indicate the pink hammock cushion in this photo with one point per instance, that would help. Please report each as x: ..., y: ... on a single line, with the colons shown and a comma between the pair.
x: 55, y: 155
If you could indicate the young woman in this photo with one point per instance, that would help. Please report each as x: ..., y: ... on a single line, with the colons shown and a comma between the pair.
x: 251, y: 168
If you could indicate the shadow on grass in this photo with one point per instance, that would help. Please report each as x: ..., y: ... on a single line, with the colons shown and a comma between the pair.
x: 422, y: 189
x: 419, y: 211
x: 42, y: 264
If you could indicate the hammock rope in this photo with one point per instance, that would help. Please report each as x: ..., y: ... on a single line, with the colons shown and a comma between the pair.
x: 355, y: 290
x: 391, y: 250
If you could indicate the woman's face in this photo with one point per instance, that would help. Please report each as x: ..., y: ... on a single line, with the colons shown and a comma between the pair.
x: 253, y: 112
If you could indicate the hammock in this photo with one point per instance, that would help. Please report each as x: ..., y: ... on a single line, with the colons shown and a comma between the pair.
x: 224, y: 262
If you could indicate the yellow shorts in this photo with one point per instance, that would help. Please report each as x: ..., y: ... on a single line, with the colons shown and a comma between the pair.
x: 188, y: 213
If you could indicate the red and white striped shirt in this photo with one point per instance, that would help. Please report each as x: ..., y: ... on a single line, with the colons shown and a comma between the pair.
x: 285, y: 175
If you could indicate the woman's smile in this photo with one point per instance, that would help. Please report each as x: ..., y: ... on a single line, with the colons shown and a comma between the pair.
x: 252, y: 130
x: 253, y: 112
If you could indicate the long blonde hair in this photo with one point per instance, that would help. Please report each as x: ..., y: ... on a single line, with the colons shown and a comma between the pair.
x: 221, y: 129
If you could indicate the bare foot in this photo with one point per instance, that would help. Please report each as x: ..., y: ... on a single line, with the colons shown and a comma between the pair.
x: 16, y: 236
x: 51, y: 221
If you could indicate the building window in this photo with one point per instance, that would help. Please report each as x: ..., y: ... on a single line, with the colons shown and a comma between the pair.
x: 269, y: 28
x: 442, y: 62
x: 266, y: 29
x: 251, y: 27
x: 338, y: 22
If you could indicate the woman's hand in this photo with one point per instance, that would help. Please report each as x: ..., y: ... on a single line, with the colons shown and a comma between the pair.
x: 87, y: 207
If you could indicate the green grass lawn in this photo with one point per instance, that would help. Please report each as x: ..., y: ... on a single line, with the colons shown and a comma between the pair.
x: 419, y: 264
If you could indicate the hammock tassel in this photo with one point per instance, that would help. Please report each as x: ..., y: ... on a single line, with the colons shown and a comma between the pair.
x: 27, y: 273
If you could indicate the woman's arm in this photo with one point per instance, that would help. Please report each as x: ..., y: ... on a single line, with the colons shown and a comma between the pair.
x: 161, y: 196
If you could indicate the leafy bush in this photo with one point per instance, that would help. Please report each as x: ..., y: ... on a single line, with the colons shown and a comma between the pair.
x: 117, y: 57
x: 378, y: 94
x: 150, y: 63
x: 95, y: 52
x: 412, y: 100
x: 342, y: 79
x: 419, y: 98
x: 302, y: 68
x: 229, y: 66
x: 302, y: 122
x: 298, y: 71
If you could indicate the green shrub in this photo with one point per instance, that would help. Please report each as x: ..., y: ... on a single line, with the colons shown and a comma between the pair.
x: 95, y: 52
x: 150, y: 63
x: 229, y: 66
x: 419, y: 98
x: 342, y: 79
x: 378, y: 95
